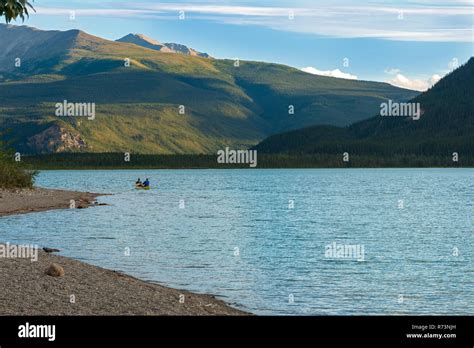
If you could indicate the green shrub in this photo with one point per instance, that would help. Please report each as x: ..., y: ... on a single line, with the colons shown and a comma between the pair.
x: 14, y: 175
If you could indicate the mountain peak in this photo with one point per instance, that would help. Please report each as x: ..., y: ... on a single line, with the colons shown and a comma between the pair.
x: 169, y: 47
x: 144, y: 41
x: 139, y: 37
x: 147, y: 39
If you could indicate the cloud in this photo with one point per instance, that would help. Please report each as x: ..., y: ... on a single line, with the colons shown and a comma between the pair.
x: 332, y: 73
x: 416, y: 20
x: 453, y: 64
x: 434, y: 79
x: 267, y: 11
x: 86, y: 12
x: 415, y: 84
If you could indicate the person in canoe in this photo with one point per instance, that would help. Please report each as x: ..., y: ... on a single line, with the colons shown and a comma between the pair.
x: 146, y: 183
x: 138, y: 183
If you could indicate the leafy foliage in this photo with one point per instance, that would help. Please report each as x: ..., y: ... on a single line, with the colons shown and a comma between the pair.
x: 12, y: 9
x: 13, y: 174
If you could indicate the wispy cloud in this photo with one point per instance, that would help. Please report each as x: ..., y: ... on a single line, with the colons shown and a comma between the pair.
x: 256, y: 11
x: 93, y: 12
x: 416, y: 20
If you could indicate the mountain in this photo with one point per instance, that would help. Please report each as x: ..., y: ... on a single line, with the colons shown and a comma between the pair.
x: 183, y: 49
x: 36, y: 50
x: 446, y: 125
x: 169, y: 47
x: 149, y: 101
x: 144, y: 41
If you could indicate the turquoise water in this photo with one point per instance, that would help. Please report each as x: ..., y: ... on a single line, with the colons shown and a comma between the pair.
x: 257, y: 238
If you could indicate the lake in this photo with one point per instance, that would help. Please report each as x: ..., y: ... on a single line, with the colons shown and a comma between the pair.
x: 282, y: 242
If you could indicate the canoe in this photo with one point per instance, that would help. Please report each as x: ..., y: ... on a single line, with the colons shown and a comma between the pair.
x: 142, y: 187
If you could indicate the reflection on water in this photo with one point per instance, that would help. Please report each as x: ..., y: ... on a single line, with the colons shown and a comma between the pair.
x: 259, y: 238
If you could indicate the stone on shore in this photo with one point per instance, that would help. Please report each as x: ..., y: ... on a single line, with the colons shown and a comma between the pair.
x: 55, y: 270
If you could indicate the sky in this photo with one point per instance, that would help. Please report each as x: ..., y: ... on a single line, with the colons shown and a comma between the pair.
x: 408, y: 43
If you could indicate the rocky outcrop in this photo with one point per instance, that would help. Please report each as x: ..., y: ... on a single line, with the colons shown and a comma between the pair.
x: 183, y: 49
x: 55, y: 139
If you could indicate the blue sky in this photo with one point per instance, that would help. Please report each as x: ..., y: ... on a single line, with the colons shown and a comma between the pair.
x: 410, y: 43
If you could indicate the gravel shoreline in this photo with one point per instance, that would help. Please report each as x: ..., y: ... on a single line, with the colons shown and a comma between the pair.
x: 83, y: 289
x: 21, y: 201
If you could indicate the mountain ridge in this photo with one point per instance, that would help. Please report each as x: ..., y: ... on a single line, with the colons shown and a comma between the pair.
x: 168, y: 47
x: 446, y: 126
x: 139, y: 93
